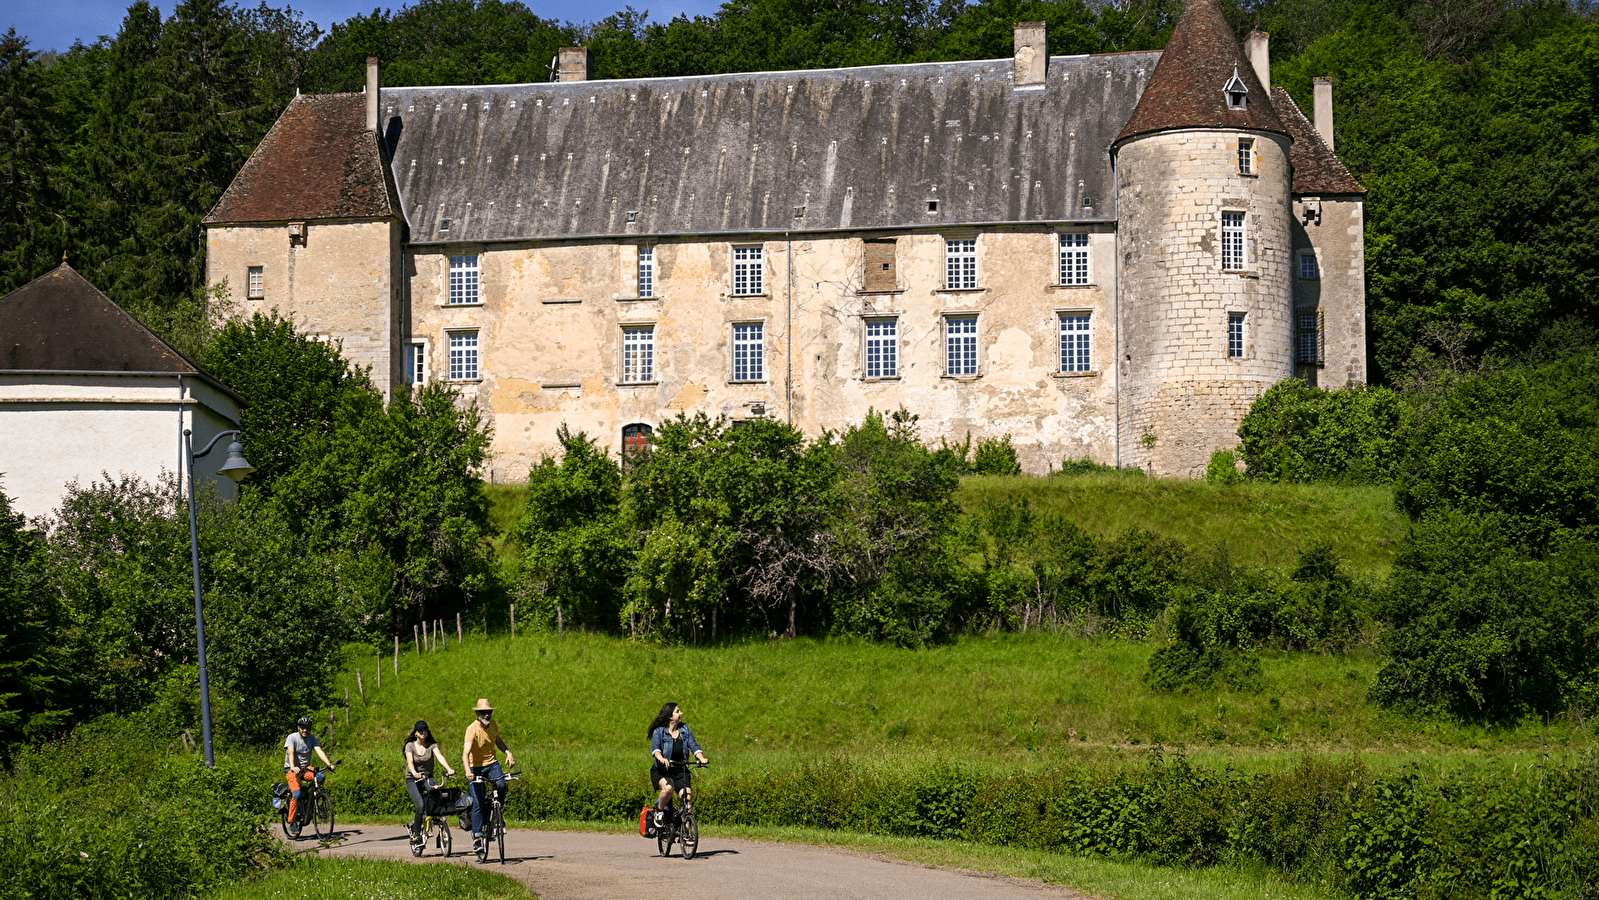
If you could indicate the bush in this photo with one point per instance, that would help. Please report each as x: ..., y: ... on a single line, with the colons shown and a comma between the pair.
x: 1479, y: 628
x: 1085, y: 466
x: 1353, y: 435
x: 995, y: 456
x: 1223, y: 468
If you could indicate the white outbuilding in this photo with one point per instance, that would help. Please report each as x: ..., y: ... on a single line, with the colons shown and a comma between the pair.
x: 88, y: 392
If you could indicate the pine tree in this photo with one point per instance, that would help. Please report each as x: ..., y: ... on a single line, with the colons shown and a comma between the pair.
x: 30, y: 231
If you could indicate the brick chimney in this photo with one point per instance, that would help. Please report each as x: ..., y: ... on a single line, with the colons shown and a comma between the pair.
x: 371, y: 93
x: 576, y: 64
x: 1256, y: 48
x: 1322, y: 110
x: 1031, y: 65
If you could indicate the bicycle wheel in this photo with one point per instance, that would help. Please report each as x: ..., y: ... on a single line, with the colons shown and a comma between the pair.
x: 322, y: 815
x: 664, y: 836
x: 499, y: 830
x: 445, y: 841
x: 482, y: 845
x: 690, y: 835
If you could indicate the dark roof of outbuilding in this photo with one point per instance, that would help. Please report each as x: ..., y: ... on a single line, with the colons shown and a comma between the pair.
x: 59, y: 322
x: 319, y: 161
x: 858, y: 148
x: 1317, y: 170
x: 1186, y: 89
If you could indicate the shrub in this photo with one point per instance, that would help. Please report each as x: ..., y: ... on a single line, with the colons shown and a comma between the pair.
x: 1086, y: 466
x: 1194, y: 660
x: 1353, y: 435
x: 995, y: 456
x: 1223, y: 468
x: 1134, y: 577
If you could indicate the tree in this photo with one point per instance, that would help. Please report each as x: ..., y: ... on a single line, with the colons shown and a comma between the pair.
x: 35, y: 680
x: 31, y: 234
x: 1295, y: 433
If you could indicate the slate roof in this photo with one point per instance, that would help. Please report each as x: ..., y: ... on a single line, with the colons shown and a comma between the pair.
x: 1317, y: 170
x: 861, y: 148
x: 59, y: 322
x: 1186, y: 89
x: 319, y: 161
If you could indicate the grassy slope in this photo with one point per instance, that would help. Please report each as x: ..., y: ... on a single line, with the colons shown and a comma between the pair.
x: 1260, y: 524
x: 1002, y: 701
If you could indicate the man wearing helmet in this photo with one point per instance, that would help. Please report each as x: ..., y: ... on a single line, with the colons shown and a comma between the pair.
x: 297, y: 750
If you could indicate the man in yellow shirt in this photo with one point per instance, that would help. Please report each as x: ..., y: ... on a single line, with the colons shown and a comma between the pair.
x: 477, y: 757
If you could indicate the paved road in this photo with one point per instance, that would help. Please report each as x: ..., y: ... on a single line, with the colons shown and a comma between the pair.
x: 561, y: 865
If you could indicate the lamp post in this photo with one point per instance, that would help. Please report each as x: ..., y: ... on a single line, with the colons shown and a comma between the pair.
x: 235, y: 469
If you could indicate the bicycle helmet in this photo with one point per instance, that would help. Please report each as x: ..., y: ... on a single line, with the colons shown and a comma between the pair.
x: 303, y: 722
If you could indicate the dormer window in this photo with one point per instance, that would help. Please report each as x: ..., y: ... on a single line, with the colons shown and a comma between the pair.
x: 1237, y: 94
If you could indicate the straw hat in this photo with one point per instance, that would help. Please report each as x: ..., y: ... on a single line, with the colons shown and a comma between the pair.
x: 483, y: 705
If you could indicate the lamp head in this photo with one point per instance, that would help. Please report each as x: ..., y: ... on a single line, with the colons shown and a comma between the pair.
x: 237, y: 466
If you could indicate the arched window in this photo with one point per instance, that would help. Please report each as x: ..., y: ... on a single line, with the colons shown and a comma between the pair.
x: 636, y: 439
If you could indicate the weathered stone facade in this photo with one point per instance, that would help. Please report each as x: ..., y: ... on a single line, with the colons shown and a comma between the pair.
x: 853, y: 187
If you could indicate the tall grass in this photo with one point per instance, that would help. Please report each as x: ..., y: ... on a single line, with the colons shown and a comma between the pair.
x: 371, y: 879
x: 1260, y: 524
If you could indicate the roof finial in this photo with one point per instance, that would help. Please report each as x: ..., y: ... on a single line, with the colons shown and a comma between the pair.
x: 63, y: 257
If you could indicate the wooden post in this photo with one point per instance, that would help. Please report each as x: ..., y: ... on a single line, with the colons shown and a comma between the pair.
x: 560, y: 621
x: 459, y: 636
x: 396, y: 654
x: 332, y: 714
x: 513, y: 620
x: 416, y: 638
x: 379, y: 668
x: 485, y: 624
x: 360, y: 685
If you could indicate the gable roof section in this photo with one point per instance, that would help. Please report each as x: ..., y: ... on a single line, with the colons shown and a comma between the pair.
x: 59, y: 322
x: 862, y: 148
x: 1317, y: 170
x: 1186, y: 89
x: 319, y: 161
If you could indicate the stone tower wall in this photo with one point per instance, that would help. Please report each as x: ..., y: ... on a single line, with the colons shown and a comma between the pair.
x: 1183, y: 395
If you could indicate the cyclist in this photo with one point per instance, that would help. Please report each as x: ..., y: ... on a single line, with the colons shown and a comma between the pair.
x: 297, y: 750
x: 477, y: 757
x: 671, y: 742
x: 421, y: 751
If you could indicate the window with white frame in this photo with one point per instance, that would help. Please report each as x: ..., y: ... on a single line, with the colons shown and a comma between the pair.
x: 1235, y: 335
x: 1232, y: 241
x: 1308, y: 269
x: 464, y: 279
x: 1246, y: 156
x: 255, y: 282
x: 882, y: 348
x: 646, y: 271
x: 1074, y: 258
x: 416, y: 371
x: 960, y: 264
x: 1076, y: 343
x: 749, y: 270
x: 638, y: 353
x: 463, y: 356
x: 960, y: 345
x: 749, y: 352
x: 1305, y: 340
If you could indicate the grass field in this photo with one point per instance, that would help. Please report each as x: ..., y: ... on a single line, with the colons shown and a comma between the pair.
x: 1260, y: 524
x: 367, y: 879
x: 1005, y: 701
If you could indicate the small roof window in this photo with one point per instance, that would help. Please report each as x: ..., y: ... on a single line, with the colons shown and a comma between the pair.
x: 1237, y: 94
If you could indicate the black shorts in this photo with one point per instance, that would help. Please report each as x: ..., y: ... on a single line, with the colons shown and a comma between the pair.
x: 679, y: 777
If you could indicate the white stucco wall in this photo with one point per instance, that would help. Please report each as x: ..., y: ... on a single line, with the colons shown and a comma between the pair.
x: 57, y: 428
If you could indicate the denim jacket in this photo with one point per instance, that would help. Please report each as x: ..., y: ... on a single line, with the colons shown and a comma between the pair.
x: 662, y: 741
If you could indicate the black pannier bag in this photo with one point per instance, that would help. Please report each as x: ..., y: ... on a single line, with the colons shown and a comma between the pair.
x: 443, y: 802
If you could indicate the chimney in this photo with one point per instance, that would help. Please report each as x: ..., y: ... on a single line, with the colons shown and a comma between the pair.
x: 1323, y: 110
x: 576, y: 64
x: 1032, y: 55
x: 371, y: 93
x: 1255, y: 47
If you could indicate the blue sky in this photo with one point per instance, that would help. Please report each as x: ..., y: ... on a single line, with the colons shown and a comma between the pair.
x: 55, y: 24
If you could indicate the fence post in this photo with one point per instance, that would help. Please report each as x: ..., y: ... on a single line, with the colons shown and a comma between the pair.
x: 560, y: 621
x: 332, y: 715
x: 379, y: 668
x: 396, y: 654
x: 416, y: 638
x: 360, y: 685
x: 459, y: 637
x: 513, y: 620
x: 485, y: 624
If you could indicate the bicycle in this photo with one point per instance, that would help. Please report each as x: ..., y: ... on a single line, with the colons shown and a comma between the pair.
x: 314, y: 809
x: 683, y: 826
x: 494, y: 821
x: 437, y: 803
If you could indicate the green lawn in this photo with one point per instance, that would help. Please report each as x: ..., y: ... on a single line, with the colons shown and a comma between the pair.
x: 1006, y: 700
x: 369, y: 879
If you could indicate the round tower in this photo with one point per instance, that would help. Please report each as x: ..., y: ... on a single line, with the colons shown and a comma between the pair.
x: 1204, y: 211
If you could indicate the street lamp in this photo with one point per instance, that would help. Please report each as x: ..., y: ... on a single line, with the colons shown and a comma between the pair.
x: 235, y: 469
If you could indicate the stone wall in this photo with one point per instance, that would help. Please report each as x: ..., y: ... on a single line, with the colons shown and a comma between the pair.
x: 1333, y: 228
x: 338, y: 281
x: 551, y: 319
x: 1183, y: 394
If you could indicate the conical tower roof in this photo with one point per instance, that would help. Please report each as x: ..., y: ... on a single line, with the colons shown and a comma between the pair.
x: 1187, y: 89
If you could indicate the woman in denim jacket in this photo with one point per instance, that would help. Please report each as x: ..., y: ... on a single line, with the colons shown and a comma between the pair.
x: 671, y: 742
